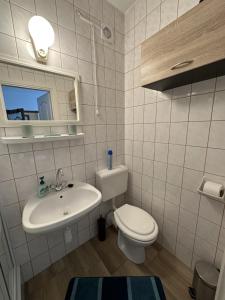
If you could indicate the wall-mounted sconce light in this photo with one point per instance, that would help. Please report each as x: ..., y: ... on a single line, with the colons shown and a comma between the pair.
x: 42, y: 36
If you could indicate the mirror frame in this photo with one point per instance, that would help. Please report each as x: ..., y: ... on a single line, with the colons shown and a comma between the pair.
x: 47, y: 69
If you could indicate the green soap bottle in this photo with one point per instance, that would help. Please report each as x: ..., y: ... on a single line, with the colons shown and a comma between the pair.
x: 42, y: 188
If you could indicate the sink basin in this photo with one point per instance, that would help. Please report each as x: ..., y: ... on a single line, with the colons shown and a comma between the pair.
x: 57, y: 209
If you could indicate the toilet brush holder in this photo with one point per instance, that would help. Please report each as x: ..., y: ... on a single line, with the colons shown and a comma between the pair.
x: 101, y: 229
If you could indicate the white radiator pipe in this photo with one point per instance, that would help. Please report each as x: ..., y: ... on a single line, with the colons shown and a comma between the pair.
x: 93, y: 26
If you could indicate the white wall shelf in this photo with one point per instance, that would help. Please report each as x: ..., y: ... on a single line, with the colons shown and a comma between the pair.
x: 39, y: 138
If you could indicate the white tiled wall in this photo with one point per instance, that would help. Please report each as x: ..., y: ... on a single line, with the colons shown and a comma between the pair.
x: 20, y: 165
x: 172, y: 139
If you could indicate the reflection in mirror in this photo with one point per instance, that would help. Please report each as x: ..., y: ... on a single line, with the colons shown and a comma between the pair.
x: 26, y: 103
x: 37, y: 97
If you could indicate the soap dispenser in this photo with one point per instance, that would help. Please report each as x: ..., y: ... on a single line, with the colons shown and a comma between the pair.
x: 42, y: 188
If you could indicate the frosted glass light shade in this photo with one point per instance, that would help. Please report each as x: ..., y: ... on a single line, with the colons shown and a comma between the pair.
x: 42, y: 35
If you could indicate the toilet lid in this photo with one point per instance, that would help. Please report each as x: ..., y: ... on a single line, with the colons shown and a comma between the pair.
x: 136, y: 219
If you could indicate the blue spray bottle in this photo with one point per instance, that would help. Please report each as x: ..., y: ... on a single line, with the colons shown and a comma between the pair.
x: 109, y: 159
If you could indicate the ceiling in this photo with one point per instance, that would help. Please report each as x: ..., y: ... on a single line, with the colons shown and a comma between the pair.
x: 122, y: 5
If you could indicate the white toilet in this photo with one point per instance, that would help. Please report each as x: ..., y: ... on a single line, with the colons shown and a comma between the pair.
x: 137, y: 228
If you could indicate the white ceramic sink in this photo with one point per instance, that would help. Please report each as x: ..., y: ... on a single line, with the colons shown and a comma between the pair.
x: 59, y: 208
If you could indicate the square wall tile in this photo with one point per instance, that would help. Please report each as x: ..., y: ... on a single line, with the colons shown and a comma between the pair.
x: 140, y: 10
x: 215, y: 161
x: 65, y: 13
x: 201, y: 107
x: 37, y: 246
x: 47, y: 9
x: 68, y: 41
x: 153, y: 22
x: 90, y: 152
x: 6, y: 24
x: 161, y: 152
x: 211, y: 210
x: 138, y: 114
x: 203, y: 87
x: 185, y: 6
x: 160, y: 170
x: 195, y: 158
x: 149, y: 132
x: 21, y: 18
x: 163, y: 111
x: 152, y: 4
x: 188, y: 220
x: 192, y: 179
x: 129, y: 19
x: 219, y: 106
x: 57, y: 252
x: 8, y: 46
x: 182, y: 91
x: 190, y: 201
x: 8, y: 193
x: 178, y: 133
x: 159, y: 189
x: 147, y: 167
x: 148, y: 150
x: 176, y: 155
x: 5, y: 168
x: 139, y: 32
x: 62, y: 157
x: 180, y: 109
x: 184, y: 254
x: 77, y: 155
x: 44, y: 160
x: 26, y: 187
x: 168, y: 12
x: 221, y: 243
x: 173, y: 193
x: 41, y: 263
x: 23, y: 164
x: 84, y: 4
x: 198, y: 134
x: 149, y: 113
x: 220, y: 83
x: 205, y: 250
x: 174, y: 175
x: 216, y: 137
x: 171, y: 211
x: 26, y: 4
x: 22, y: 254
x: 12, y: 215
x: 162, y: 132
x: 186, y: 238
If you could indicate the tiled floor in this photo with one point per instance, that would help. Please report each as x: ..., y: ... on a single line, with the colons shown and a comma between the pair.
x: 96, y: 258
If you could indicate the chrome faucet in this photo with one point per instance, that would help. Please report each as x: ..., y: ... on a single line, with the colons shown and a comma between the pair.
x: 60, y: 184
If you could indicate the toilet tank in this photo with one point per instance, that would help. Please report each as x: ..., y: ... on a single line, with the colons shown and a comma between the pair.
x: 113, y: 182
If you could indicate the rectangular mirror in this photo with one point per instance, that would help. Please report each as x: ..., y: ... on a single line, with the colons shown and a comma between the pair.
x: 37, y: 97
x: 25, y: 104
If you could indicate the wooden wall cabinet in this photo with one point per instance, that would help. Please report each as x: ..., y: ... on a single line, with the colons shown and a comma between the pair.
x: 190, y: 49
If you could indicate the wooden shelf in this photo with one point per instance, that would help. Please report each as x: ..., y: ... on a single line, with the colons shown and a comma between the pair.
x: 39, y: 138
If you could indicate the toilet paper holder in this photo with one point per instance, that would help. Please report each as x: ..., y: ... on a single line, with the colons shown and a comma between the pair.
x: 200, y: 191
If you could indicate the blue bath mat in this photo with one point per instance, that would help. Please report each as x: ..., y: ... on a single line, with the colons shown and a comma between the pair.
x: 115, y: 288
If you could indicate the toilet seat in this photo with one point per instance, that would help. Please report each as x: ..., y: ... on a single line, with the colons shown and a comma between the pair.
x: 136, y: 223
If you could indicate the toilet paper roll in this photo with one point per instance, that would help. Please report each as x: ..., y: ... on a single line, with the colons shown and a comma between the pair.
x: 213, y: 188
